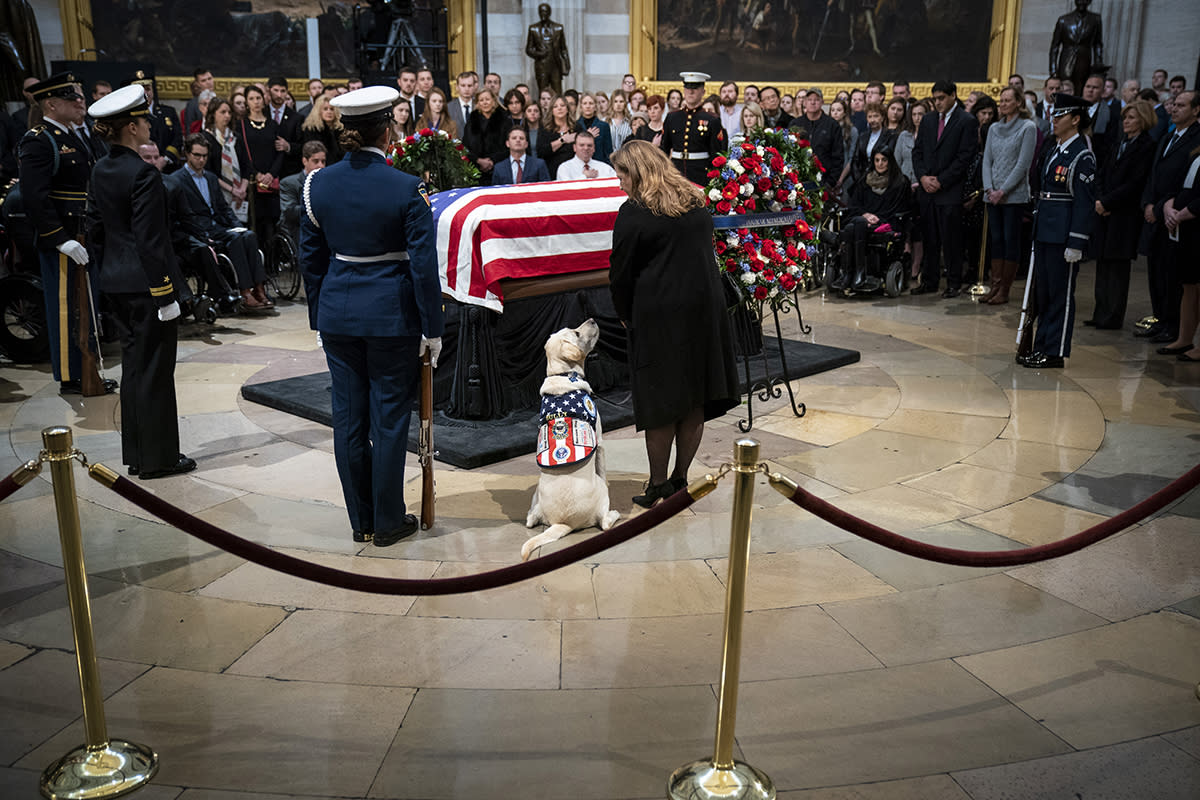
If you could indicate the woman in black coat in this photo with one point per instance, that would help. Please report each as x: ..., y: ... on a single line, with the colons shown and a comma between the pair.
x: 881, y: 197
x: 260, y: 162
x: 1119, y: 216
x: 667, y: 290
x: 487, y: 129
x: 324, y: 125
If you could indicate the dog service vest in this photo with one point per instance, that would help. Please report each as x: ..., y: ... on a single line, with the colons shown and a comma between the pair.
x: 567, y: 433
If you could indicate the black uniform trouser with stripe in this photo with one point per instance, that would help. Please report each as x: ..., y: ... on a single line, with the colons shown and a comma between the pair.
x: 1054, y: 287
x: 149, y: 419
x: 62, y: 313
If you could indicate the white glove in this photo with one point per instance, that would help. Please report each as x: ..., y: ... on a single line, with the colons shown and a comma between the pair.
x: 319, y: 342
x: 1071, y: 255
x: 238, y: 230
x: 168, y: 313
x: 74, y: 251
x: 433, y: 347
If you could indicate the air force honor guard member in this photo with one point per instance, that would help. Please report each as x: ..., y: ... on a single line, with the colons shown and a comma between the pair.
x: 55, y: 166
x: 369, y: 260
x: 692, y: 138
x: 1062, y: 223
x: 129, y: 230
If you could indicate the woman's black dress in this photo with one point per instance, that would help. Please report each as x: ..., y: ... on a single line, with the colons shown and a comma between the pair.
x: 667, y: 289
x: 554, y: 159
x: 484, y: 138
x: 257, y: 153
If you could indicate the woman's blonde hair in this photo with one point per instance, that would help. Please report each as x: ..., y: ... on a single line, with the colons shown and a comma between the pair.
x: 313, y: 121
x: 1145, y: 114
x: 653, y: 180
x: 755, y: 109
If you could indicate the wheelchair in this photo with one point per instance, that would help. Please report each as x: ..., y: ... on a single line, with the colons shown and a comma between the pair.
x: 24, y: 336
x: 212, y: 283
x: 283, y: 264
x: 880, y: 265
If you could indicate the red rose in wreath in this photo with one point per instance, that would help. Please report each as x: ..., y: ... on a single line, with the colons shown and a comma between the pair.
x: 723, y: 207
x: 760, y: 293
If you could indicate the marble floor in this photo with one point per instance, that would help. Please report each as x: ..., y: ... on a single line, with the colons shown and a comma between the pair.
x: 866, y: 674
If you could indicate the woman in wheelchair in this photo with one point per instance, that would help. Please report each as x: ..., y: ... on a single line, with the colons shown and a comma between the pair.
x: 877, y: 207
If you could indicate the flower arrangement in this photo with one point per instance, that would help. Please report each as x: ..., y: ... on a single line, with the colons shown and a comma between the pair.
x: 436, y: 158
x: 770, y: 171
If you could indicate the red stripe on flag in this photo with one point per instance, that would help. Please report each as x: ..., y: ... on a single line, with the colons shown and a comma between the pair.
x: 536, y: 267
x: 522, y: 227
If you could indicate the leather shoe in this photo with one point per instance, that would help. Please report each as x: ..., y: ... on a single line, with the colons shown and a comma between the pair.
x: 951, y: 292
x: 1091, y: 323
x: 389, y: 538
x: 362, y: 537
x: 922, y: 289
x: 133, y: 472
x: 1153, y: 330
x: 1173, y: 351
x: 1043, y: 361
x: 1163, y: 338
x: 655, y: 492
x: 75, y: 387
x: 184, y: 464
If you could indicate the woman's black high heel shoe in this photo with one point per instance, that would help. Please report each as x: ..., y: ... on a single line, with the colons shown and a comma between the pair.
x: 654, y: 493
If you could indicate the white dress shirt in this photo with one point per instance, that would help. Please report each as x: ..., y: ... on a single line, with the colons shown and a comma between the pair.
x: 573, y: 170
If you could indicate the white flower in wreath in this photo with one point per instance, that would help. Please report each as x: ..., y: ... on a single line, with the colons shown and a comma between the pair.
x: 774, y: 291
x: 748, y: 278
x: 747, y: 189
x: 714, y: 195
x: 792, y: 197
x: 776, y: 206
x: 760, y: 150
x: 736, y: 166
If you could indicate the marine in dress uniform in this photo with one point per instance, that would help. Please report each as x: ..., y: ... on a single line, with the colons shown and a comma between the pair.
x: 129, y: 230
x: 1063, y: 219
x: 165, y: 130
x: 369, y: 260
x: 55, y: 167
x: 692, y: 138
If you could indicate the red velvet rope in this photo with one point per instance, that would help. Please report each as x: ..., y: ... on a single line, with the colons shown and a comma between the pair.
x: 7, y: 487
x: 299, y: 568
x: 998, y: 558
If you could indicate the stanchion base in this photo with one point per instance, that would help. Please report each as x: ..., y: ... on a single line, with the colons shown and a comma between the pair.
x: 978, y: 290
x: 118, y: 768
x: 702, y: 780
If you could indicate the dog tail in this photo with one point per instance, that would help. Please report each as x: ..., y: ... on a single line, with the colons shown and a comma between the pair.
x: 553, y: 533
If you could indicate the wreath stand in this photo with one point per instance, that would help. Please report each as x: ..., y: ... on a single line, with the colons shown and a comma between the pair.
x: 751, y: 343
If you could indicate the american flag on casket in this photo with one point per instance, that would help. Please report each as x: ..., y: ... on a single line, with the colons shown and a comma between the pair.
x: 528, y: 230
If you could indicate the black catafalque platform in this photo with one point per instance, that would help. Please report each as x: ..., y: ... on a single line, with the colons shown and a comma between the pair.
x: 486, y: 385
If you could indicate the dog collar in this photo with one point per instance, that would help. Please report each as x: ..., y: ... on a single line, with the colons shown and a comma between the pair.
x: 572, y: 376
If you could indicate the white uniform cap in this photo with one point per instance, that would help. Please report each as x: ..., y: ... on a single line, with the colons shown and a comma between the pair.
x: 694, y: 80
x: 366, y: 103
x: 128, y: 101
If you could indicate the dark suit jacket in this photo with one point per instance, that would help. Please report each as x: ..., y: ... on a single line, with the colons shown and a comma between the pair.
x: 1119, y: 187
x: 1168, y: 172
x: 455, y: 109
x: 825, y: 136
x: 860, y: 162
x: 289, y: 129
x: 194, y: 222
x: 947, y: 158
x: 535, y: 170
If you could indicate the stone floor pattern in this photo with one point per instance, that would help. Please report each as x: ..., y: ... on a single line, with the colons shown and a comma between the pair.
x: 866, y: 674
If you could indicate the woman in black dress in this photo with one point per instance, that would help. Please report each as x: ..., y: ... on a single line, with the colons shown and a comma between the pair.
x: 667, y: 290
x: 324, y: 124
x: 261, y: 163
x: 1181, y: 213
x: 556, y: 142
x: 487, y: 129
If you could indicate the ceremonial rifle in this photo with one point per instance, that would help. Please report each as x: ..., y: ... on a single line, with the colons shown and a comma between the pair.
x: 1029, y: 313
x: 90, y: 384
x: 425, y: 442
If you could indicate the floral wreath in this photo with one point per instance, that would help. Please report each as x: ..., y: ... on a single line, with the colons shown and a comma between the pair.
x: 768, y: 172
x: 435, y: 157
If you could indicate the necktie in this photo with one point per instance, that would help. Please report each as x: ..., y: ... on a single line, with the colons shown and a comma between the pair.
x: 278, y: 115
x: 520, y: 171
x: 81, y: 134
x: 1171, y: 143
x: 586, y: 166
x: 941, y: 125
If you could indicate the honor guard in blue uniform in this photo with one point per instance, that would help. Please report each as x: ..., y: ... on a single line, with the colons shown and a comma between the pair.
x: 692, y: 138
x: 369, y: 260
x: 55, y: 167
x: 165, y: 130
x: 1062, y: 223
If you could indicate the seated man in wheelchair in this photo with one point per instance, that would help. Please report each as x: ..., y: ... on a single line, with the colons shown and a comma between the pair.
x: 291, y: 190
x: 204, y: 223
x: 879, y: 203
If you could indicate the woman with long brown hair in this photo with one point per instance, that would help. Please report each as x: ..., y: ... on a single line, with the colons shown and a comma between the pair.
x: 667, y: 290
x: 485, y: 134
x: 223, y: 157
x: 556, y: 142
x: 435, y: 117
x: 260, y: 162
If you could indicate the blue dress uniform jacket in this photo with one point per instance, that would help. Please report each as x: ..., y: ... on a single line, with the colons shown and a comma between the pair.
x: 368, y: 256
x: 1065, y: 213
x: 692, y: 139
x: 55, y: 168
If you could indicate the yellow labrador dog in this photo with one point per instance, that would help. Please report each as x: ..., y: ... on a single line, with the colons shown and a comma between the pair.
x: 572, y: 492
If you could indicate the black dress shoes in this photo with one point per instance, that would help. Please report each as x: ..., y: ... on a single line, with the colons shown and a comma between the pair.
x: 654, y: 493
x: 75, y: 387
x: 951, y: 292
x: 184, y: 464
x: 363, y: 536
x: 1043, y: 361
x: 922, y: 289
x: 1173, y: 351
x: 1152, y: 331
x: 1163, y: 338
x: 389, y: 538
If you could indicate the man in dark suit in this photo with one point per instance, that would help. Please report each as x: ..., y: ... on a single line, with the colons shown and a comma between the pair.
x: 823, y: 134
x: 407, y: 81
x: 519, y: 167
x: 1045, y: 108
x: 459, y: 108
x: 288, y: 123
x: 1101, y: 116
x: 165, y: 130
x: 203, y: 219
x: 1171, y: 161
x: 947, y: 142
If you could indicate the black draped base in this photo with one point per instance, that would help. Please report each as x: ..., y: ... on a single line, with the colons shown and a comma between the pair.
x: 492, y: 365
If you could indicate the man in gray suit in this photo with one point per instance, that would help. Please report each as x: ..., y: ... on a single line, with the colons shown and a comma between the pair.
x: 460, y: 107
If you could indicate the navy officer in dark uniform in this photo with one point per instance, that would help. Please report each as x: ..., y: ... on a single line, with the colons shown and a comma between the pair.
x: 692, y: 138
x: 1062, y: 223
x: 369, y: 260
x: 129, y: 231
x: 55, y: 167
x: 165, y: 130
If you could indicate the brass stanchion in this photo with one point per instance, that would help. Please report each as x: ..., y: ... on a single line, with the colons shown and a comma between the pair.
x: 722, y: 776
x: 102, y: 767
x: 980, y: 289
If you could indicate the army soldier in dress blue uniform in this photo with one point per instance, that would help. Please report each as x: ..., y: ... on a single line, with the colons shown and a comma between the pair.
x: 369, y: 260
x: 1062, y: 224
x: 55, y: 167
x: 165, y: 130
x: 129, y: 232
x: 692, y: 138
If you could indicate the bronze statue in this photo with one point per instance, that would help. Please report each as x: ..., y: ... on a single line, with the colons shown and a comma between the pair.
x: 20, y: 48
x: 547, y: 46
x: 1077, y: 48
